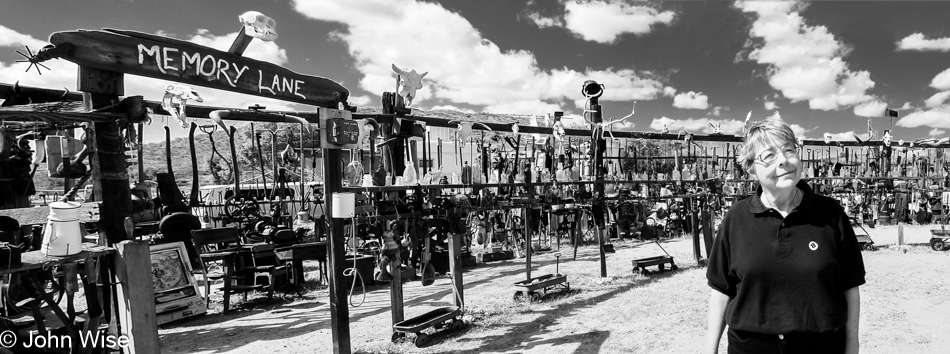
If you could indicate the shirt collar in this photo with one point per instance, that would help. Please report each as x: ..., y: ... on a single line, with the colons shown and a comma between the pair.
x: 808, y: 199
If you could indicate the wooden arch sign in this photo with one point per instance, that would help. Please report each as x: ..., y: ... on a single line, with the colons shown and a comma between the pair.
x: 170, y: 59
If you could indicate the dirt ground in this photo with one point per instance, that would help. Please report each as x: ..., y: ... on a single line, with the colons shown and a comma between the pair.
x: 905, y: 308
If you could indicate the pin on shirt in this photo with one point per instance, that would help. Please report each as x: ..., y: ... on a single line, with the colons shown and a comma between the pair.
x: 813, y: 245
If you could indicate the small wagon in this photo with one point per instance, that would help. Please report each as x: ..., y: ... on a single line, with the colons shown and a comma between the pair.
x: 864, y: 238
x: 531, y: 287
x: 640, y: 265
x: 940, y: 240
x: 438, y: 319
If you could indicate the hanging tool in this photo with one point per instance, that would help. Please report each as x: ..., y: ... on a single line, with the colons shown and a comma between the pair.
x: 193, y: 198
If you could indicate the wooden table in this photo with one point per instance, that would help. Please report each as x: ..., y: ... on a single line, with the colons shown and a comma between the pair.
x: 302, y: 251
x: 35, y: 262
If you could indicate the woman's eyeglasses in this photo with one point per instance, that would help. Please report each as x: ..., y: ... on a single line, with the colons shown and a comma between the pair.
x: 769, y: 156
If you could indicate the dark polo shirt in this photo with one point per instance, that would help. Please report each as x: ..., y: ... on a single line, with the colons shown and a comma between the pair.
x: 786, y: 274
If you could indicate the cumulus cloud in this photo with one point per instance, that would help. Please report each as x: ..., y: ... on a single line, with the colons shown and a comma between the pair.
x: 544, y: 22
x: 870, y: 109
x: 937, y: 99
x: 907, y: 105
x: 771, y: 106
x: 936, y: 132
x: 63, y: 74
x: 359, y: 100
x: 941, y: 81
x: 716, y: 111
x: 604, y: 21
x: 918, y: 42
x: 691, y: 100
x: 805, y: 62
x: 669, y: 91
x: 464, y: 67
x: 937, y: 117
x: 449, y: 107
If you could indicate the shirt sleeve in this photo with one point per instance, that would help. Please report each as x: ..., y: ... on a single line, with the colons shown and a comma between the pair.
x: 849, y: 256
x: 719, y: 274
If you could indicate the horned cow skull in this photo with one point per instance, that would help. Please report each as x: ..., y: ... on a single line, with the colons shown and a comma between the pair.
x: 410, y: 81
x: 259, y: 26
x: 176, y: 99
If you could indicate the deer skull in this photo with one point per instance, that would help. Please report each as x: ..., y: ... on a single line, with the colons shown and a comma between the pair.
x: 259, y: 26
x: 410, y: 81
x: 176, y: 99
x: 827, y: 138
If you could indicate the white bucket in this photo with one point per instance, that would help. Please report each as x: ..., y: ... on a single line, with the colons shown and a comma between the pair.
x: 62, y: 236
x: 344, y: 205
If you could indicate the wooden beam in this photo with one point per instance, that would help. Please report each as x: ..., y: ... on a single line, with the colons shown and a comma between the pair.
x: 240, y: 42
x: 175, y: 60
x: 136, y: 297
x: 339, y: 313
x: 455, y: 268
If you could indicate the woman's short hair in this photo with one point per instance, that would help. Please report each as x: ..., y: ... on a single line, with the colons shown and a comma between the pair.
x: 770, y: 132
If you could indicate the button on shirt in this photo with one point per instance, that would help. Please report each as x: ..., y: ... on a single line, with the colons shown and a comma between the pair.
x: 787, y: 274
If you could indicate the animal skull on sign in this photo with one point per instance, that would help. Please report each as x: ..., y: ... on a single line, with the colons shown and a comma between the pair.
x: 464, y: 131
x: 827, y: 138
x: 259, y: 26
x: 179, y: 95
x: 410, y: 81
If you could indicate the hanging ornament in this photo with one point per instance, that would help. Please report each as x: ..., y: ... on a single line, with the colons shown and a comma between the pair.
x: 176, y: 99
x: 259, y: 26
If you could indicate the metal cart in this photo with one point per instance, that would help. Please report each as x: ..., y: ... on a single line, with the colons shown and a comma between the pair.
x: 438, y: 319
x: 532, y: 287
x: 640, y: 265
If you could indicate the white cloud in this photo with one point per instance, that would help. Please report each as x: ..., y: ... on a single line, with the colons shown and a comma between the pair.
x: 937, y: 117
x: 907, y: 105
x: 449, y: 107
x: 771, y: 106
x: 941, y: 81
x: 805, y: 62
x: 936, y: 132
x: 716, y: 111
x: 464, y: 67
x: 604, y: 21
x: 359, y: 100
x: 669, y: 91
x: 545, y: 22
x: 937, y: 99
x: 870, y: 109
x: 691, y: 100
x: 918, y: 42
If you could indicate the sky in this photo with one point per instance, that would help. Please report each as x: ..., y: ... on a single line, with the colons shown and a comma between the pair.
x: 827, y: 67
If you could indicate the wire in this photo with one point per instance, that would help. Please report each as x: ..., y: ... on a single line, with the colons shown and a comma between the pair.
x: 353, y: 272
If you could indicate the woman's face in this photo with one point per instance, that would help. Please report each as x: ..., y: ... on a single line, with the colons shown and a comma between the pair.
x: 778, y: 168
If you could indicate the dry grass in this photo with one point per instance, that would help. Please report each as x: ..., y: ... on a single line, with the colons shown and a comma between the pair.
x: 905, y: 309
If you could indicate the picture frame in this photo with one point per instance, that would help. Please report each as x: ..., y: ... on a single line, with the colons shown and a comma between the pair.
x: 173, y: 282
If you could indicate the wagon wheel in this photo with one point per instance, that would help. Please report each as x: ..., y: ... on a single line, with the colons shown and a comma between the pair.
x: 457, y: 325
x: 937, y: 245
x: 398, y: 336
x: 673, y: 267
x: 535, y: 296
x: 422, y: 340
x: 241, y: 207
x: 661, y: 266
x: 518, y: 295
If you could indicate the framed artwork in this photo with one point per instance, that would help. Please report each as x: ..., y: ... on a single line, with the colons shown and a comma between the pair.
x: 172, y: 277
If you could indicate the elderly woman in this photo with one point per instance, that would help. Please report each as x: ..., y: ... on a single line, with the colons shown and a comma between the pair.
x: 785, y: 265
